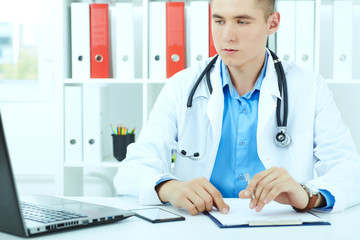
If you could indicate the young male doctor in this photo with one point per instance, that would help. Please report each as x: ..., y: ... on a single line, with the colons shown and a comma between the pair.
x: 230, y: 133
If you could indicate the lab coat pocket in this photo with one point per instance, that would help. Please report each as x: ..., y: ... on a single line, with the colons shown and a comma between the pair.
x: 302, y: 156
x: 193, y: 142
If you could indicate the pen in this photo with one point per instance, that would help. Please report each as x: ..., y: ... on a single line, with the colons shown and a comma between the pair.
x: 247, y: 179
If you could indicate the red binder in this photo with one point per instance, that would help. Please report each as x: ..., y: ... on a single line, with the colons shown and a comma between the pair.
x: 212, y: 50
x: 175, y: 38
x: 99, y: 40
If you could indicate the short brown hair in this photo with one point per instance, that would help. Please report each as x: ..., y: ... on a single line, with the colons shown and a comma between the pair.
x: 268, y: 7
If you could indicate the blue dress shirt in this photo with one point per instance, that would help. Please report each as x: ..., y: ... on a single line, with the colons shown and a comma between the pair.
x: 237, y: 153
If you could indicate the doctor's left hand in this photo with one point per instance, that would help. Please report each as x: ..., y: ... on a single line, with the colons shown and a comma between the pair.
x: 197, y: 195
x: 275, y: 184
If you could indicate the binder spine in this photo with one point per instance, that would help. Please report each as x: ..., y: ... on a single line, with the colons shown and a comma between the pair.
x: 175, y: 37
x: 199, y: 31
x: 157, y: 40
x: 99, y: 40
x: 212, y: 50
x: 80, y: 40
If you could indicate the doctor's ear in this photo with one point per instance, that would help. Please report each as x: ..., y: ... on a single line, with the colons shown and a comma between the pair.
x: 273, y: 23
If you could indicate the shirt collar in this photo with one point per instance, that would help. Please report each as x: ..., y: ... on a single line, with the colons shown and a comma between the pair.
x: 225, y: 76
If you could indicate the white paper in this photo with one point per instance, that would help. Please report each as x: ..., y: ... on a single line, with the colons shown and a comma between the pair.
x: 273, y: 213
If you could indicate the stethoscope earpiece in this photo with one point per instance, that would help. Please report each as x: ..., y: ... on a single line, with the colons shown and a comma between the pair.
x: 196, y: 154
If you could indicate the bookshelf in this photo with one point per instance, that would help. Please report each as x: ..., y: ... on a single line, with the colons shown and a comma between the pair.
x: 142, y: 91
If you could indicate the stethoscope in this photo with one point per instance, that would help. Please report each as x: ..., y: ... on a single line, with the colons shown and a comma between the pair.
x: 282, y: 138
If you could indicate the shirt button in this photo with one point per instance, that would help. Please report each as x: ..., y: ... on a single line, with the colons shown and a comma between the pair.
x: 244, y: 112
x: 242, y: 143
x: 241, y: 177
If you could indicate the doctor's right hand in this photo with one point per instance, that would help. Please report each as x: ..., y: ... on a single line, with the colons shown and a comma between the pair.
x: 197, y: 195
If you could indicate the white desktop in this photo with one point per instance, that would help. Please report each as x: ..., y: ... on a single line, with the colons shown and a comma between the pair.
x: 344, y: 225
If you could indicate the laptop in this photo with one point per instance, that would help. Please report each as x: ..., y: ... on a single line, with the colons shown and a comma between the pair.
x: 43, y: 214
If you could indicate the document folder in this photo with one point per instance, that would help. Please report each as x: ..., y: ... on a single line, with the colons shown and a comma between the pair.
x: 273, y: 214
x: 99, y: 40
x: 95, y: 113
x: 305, y: 34
x: 157, y: 40
x: 285, y: 36
x: 199, y: 31
x: 212, y: 50
x: 343, y: 39
x: 125, y: 41
x: 80, y: 40
x: 73, y: 124
x: 175, y: 37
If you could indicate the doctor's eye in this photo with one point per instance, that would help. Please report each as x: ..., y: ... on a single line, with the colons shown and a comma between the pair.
x: 221, y: 22
x: 242, y: 22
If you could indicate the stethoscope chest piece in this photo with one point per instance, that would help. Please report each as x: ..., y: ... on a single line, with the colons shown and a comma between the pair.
x: 282, y: 139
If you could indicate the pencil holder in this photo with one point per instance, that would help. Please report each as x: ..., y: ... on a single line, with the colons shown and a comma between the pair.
x: 120, y: 143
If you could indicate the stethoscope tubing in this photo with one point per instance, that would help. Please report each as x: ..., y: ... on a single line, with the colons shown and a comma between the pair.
x: 281, y: 123
x: 205, y: 71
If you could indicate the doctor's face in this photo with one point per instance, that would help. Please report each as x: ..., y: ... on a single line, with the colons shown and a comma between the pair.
x: 240, y: 30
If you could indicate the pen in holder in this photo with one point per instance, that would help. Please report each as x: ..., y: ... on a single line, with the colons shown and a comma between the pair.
x: 120, y: 143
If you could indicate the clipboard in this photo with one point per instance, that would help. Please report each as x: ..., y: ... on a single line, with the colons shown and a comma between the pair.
x: 272, y: 215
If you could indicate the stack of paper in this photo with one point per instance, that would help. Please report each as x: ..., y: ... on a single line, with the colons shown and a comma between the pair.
x: 273, y: 214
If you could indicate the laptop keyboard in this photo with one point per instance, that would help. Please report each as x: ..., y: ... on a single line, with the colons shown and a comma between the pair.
x: 45, y: 215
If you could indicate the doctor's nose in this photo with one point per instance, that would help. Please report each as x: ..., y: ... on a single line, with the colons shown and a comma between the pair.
x: 229, y: 34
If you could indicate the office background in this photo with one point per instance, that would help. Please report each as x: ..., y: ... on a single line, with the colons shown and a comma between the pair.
x: 35, y: 36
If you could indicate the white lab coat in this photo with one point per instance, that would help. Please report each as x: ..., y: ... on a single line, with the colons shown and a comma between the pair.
x: 319, y: 138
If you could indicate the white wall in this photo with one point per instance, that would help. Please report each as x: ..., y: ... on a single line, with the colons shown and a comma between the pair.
x: 33, y: 138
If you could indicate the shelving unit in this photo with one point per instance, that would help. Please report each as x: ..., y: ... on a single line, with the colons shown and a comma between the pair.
x: 145, y: 90
x: 142, y: 88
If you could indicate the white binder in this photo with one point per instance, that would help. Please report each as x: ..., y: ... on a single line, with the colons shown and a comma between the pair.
x: 342, y: 39
x: 355, y: 43
x: 305, y: 32
x: 271, y: 42
x: 112, y: 42
x: 326, y: 53
x: 73, y: 124
x: 125, y: 61
x: 285, y: 36
x: 199, y: 31
x: 94, y: 115
x: 80, y: 40
x: 157, y: 40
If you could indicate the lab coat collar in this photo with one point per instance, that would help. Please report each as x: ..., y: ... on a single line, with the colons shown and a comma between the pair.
x: 270, y: 83
x: 269, y: 93
x: 214, y: 110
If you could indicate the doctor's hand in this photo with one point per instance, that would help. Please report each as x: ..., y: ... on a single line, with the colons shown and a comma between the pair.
x: 275, y: 184
x: 197, y: 195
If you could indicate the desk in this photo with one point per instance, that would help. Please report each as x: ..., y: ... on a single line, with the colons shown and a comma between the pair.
x: 345, y: 225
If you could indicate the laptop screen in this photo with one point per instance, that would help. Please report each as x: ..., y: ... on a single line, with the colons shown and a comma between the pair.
x: 10, y: 215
